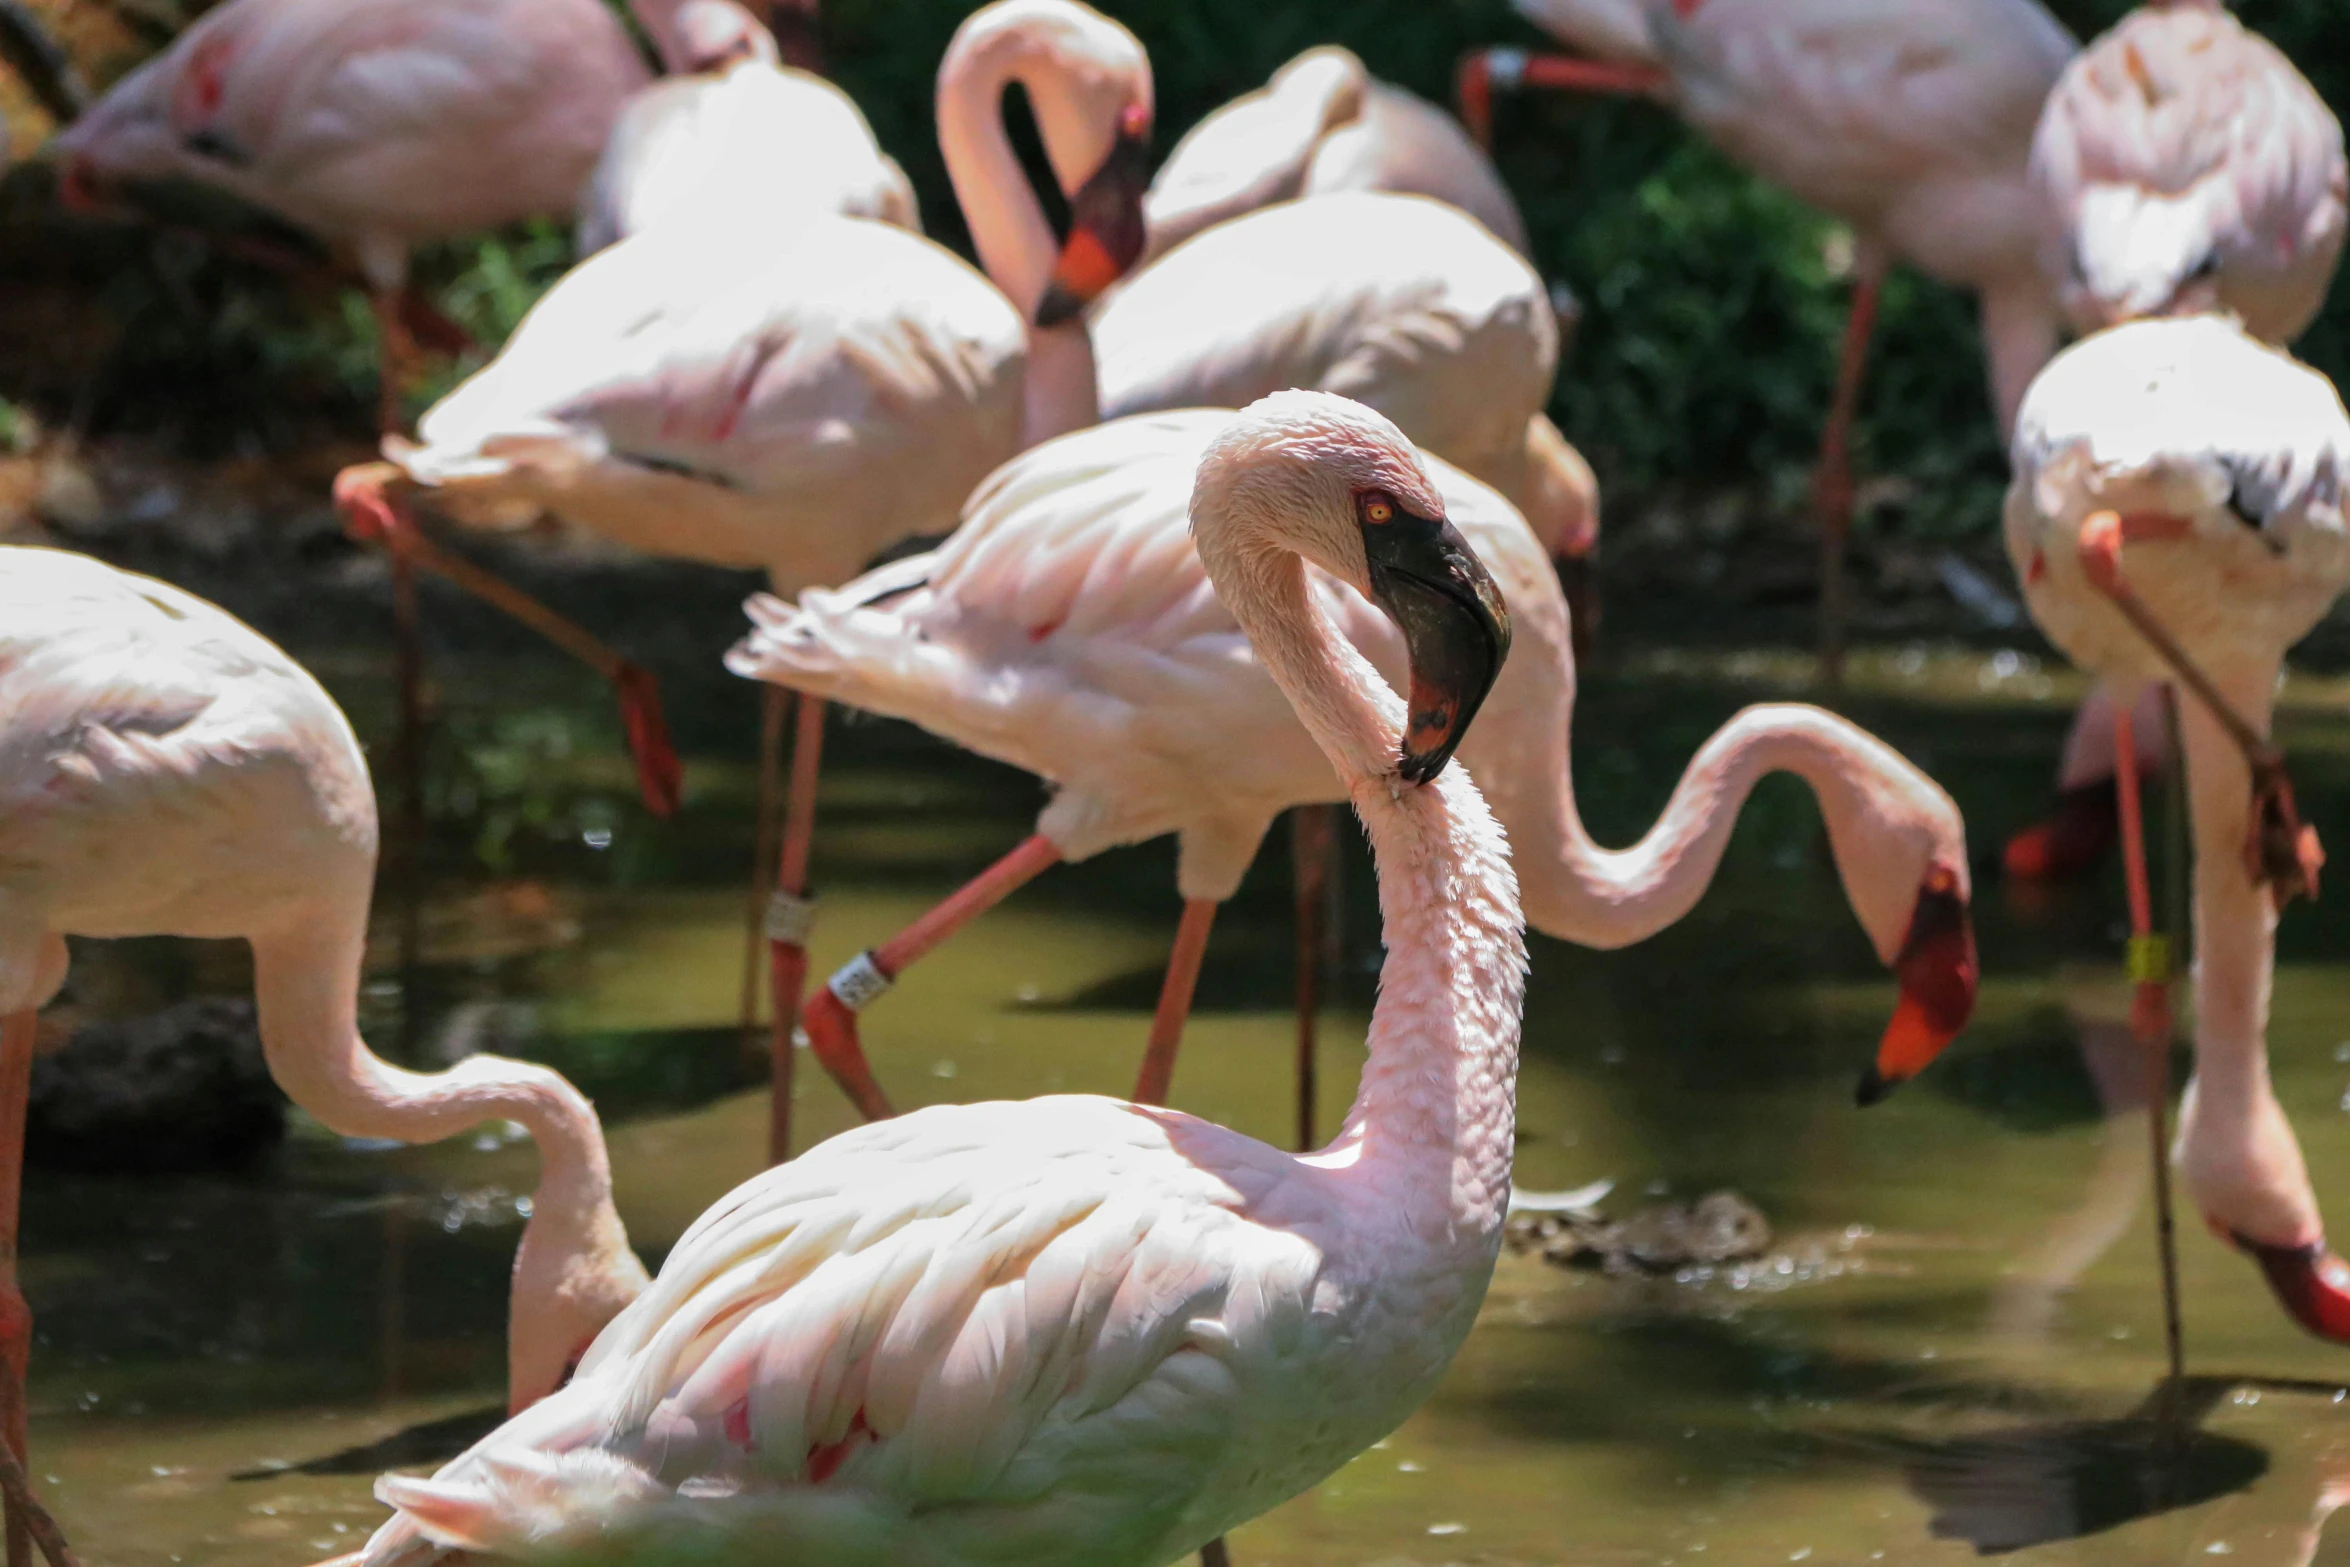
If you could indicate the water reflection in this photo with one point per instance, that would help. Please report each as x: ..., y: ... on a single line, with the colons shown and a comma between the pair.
x: 224, y: 1361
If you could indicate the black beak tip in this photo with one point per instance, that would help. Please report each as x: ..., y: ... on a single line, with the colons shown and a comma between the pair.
x: 1874, y: 1086
x: 1420, y: 768
x: 1059, y: 306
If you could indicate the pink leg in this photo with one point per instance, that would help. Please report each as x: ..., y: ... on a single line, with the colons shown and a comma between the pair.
x: 1832, y: 483
x: 791, y: 913
x: 1158, y: 1057
x: 832, y: 1015
x: 395, y: 355
x: 16, y: 1319
x: 774, y: 702
x: 373, y: 500
x: 1484, y: 72
x: 2150, y: 1018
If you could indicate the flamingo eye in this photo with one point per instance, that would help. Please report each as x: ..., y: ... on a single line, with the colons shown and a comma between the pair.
x: 1378, y: 509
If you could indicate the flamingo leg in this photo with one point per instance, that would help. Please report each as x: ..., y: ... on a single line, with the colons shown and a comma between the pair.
x: 831, y: 1016
x: 1183, y: 965
x: 1312, y: 846
x: 16, y: 1318
x: 2283, y: 851
x: 774, y: 702
x: 1485, y: 72
x: 1832, y: 480
x: 2150, y: 1017
x: 365, y: 494
x: 395, y: 359
x: 791, y: 914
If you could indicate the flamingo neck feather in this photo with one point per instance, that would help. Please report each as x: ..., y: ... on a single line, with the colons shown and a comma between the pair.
x: 306, y: 983
x: 1432, y: 1127
x: 1608, y: 898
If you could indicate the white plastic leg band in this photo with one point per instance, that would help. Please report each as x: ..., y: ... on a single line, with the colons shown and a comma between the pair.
x: 859, y: 983
x: 791, y: 918
x: 1505, y: 69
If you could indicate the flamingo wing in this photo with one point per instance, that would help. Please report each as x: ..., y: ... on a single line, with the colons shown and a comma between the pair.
x: 141, y: 729
x: 776, y: 353
x: 1024, y: 1322
x: 759, y: 135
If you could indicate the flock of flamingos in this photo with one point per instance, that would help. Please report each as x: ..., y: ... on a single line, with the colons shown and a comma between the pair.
x: 1077, y: 1329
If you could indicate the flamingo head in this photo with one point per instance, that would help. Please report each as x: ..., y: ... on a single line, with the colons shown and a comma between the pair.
x: 1936, y: 969
x: 1107, y: 231
x: 573, y: 1273
x: 1320, y: 476
x: 2310, y: 1282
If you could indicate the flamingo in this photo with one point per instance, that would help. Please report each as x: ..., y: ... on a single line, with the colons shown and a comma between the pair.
x: 377, y: 128
x: 2184, y: 165
x: 798, y: 391
x: 2211, y: 466
x: 740, y: 128
x: 1073, y: 1329
x: 1071, y: 628
x: 166, y: 771
x: 1405, y: 303
x: 1912, y: 123
x: 1323, y: 124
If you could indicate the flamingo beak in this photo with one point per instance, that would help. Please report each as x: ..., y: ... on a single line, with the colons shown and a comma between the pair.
x: 1106, y: 229
x: 2310, y: 1282
x: 1937, y: 972
x: 1456, y: 630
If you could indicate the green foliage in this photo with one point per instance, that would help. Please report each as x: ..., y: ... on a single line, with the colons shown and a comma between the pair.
x: 1713, y: 304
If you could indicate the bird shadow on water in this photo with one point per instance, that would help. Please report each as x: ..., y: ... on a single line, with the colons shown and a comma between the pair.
x: 426, y: 1442
x: 2050, y: 1481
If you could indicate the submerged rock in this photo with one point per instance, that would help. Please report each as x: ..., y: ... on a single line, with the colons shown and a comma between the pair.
x: 178, y: 1090
x: 1662, y: 1238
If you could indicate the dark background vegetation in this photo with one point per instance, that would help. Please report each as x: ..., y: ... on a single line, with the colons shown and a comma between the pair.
x: 1703, y: 361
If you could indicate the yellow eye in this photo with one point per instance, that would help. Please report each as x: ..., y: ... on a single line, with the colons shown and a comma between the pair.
x: 1378, y: 511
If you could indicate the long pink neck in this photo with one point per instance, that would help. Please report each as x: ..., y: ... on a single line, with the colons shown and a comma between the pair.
x: 1433, y: 1124
x: 1595, y: 897
x: 1010, y: 232
x: 306, y: 981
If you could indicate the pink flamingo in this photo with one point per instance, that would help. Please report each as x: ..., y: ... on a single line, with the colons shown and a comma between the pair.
x: 2213, y: 465
x: 699, y: 141
x: 377, y: 128
x: 1076, y: 1330
x: 164, y: 770
x: 796, y: 390
x: 2185, y: 165
x: 1071, y: 628
x: 1323, y: 124
x: 1912, y: 123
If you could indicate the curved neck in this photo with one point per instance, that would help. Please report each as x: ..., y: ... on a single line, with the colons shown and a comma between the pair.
x: 1009, y: 230
x: 306, y: 983
x: 1595, y: 897
x: 1432, y: 1128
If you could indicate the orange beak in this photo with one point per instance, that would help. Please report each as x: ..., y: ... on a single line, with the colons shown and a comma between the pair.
x: 1106, y: 229
x: 1937, y: 973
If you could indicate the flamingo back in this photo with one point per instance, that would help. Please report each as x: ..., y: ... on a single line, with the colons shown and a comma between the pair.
x: 1400, y: 302
x: 149, y: 742
x: 2184, y: 162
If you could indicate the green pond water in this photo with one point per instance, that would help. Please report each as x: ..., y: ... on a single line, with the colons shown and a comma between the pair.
x: 1942, y: 1357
